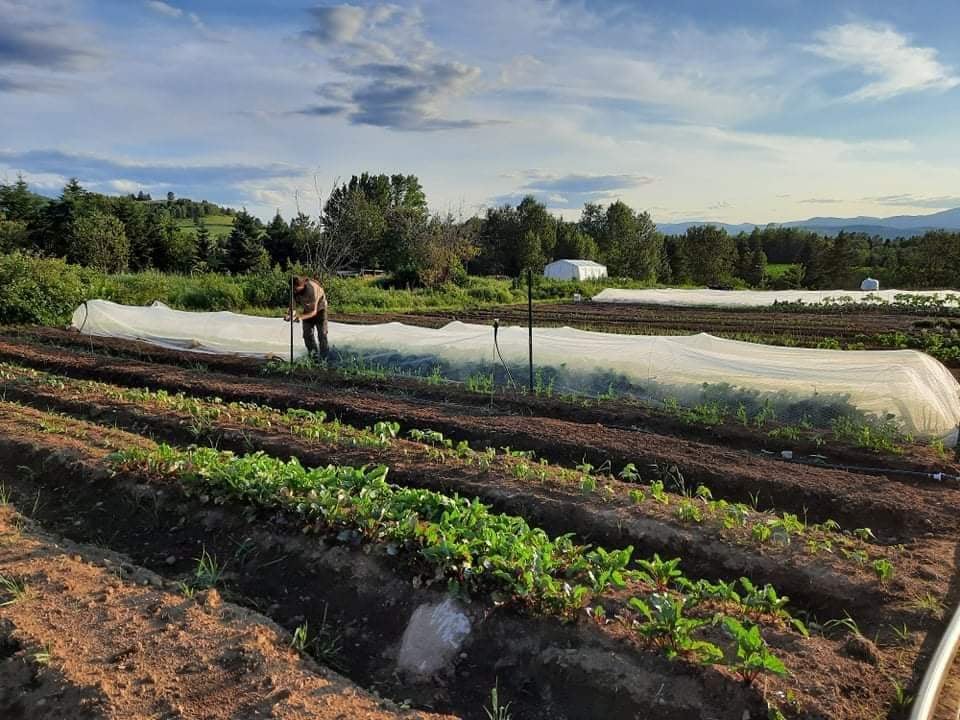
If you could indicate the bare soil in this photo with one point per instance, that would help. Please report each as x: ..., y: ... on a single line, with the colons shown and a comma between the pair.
x: 890, y: 504
x: 96, y: 637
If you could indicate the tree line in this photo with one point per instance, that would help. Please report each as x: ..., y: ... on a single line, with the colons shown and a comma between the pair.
x: 383, y: 221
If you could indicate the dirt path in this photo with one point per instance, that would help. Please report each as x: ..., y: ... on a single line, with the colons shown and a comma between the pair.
x: 94, y: 636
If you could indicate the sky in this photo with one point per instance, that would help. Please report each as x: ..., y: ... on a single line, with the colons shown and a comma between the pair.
x: 740, y: 111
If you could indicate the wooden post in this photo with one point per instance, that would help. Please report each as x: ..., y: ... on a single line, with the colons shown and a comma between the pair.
x: 530, y: 321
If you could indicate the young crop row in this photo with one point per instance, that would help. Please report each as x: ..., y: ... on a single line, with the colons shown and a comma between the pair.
x: 663, y: 492
x: 476, y: 552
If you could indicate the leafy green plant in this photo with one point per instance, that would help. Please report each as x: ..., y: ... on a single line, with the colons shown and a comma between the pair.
x: 207, y: 573
x: 883, y: 569
x: 901, y: 698
x: 15, y: 590
x: 666, y: 626
x: 660, y: 573
x: 844, y: 624
x: 754, y: 657
x: 480, y: 383
x: 657, y: 492
x: 629, y: 473
x: 452, y: 538
x: 497, y: 711
x: 761, y: 532
x: 301, y: 637
x: 689, y: 512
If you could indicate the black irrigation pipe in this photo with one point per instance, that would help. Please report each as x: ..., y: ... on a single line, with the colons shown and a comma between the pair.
x: 938, y: 476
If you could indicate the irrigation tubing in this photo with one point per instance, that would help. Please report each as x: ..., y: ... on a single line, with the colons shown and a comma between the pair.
x: 496, y: 328
x: 938, y: 476
x: 925, y: 703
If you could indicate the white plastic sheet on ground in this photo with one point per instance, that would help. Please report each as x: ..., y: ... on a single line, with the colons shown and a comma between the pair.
x: 760, y: 298
x: 916, y: 389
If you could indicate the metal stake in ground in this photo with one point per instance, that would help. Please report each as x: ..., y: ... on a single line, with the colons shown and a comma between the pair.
x: 530, y: 320
x: 291, y: 321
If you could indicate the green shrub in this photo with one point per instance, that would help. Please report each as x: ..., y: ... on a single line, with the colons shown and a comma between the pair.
x: 133, y: 288
x: 269, y: 288
x: 40, y: 291
x: 209, y: 292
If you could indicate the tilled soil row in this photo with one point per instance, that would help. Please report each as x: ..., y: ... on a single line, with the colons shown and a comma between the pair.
x: 610, y: 317
x: 612, y: 413
x: 545, y: 668
x: 96, y: 638
x: 889, y: 506
x: 823, y: 585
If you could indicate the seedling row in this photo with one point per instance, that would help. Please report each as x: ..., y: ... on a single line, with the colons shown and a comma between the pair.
x: 649, y: 610
x: 832, y: 568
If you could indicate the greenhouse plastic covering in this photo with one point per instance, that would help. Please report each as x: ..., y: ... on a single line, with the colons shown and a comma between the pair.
x: 796, y: 382
x: 763, y: 298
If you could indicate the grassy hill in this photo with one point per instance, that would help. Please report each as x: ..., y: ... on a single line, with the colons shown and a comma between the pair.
x: 219, y: 225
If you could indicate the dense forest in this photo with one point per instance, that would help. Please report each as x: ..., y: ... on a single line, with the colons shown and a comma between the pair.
x: 381, y: 221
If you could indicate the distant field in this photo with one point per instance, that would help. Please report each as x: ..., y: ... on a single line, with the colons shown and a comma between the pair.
x: 775, y: 270
x: 219, y: 225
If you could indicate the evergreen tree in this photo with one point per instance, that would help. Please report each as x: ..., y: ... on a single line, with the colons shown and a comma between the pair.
x: 245, y: 251
x: 136, y: 227
x: 279, y: 241
x: 206, y: 247
x: 18, y: 203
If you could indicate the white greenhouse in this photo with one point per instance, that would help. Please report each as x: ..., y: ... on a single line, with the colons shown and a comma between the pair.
x: 575, y: 270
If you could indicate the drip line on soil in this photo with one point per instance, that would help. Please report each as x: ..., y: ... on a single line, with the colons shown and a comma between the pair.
x: 937, y: 476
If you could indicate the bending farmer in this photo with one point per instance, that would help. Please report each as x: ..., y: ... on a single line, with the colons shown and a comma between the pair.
x: 310, y: 296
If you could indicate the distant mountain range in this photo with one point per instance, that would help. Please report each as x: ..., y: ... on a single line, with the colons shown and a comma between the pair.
x: 890, y: 227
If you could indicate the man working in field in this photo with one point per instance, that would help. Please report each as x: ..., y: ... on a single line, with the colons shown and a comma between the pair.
x: 309, y: 294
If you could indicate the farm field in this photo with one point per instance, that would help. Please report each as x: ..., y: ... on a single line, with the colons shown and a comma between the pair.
x: 219, y: 225
x: 834, y: 328
x: 563, y: 562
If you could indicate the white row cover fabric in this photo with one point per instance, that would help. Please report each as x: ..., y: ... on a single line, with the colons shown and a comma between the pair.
x: 908, y: 385
x: 760, y: 298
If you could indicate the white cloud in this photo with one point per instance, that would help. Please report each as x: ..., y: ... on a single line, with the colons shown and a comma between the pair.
x: 880, y: 51
x: 172, y: 11
x: 337, y: 24
x: 392, y: 75
x: 163, y: 8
